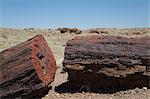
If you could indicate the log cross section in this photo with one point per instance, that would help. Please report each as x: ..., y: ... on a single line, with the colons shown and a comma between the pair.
x: 26, y: 69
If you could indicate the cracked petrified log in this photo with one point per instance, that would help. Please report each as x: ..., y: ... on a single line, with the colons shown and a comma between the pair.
x: 27, y: 69
x: 70, y: 30
x: 107, y: 56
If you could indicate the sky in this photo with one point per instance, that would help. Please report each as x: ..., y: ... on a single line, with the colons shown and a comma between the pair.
x: 75, y: 13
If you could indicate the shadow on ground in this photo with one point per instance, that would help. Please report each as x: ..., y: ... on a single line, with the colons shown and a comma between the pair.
x: 69, y: 87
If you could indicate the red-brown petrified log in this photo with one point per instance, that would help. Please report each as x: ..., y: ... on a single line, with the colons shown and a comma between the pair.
x: 27, y: 69
x: 98, y: 59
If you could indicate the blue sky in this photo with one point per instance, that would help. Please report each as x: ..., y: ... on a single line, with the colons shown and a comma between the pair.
x: 74, y: 13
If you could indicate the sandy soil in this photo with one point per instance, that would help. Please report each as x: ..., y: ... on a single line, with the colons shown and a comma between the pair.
x: 57, y: 43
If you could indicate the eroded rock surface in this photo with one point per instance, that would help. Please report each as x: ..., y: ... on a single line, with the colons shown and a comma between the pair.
x: 27, y: 69
x: 108, y: 61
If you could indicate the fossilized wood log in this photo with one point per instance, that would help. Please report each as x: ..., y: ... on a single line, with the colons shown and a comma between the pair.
x: 96, y: 52
x: 27, y: 69
x: 89, y: 58
x: 70, y: 30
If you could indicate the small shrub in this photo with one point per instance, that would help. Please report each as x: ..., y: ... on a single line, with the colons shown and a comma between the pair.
x: 4, y: 36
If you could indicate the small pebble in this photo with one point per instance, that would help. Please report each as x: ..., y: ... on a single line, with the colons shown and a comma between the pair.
x: 57, y: 94
x: 145, y: 88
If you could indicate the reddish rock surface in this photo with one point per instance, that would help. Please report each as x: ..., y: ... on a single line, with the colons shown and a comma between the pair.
x: 27, y: 69
x: 108, y: 61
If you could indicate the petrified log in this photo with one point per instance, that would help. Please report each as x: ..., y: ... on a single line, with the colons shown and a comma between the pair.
x: 27, y: 69
x: 102, y: 58
x: 70, y: 30
x: 95, y: 31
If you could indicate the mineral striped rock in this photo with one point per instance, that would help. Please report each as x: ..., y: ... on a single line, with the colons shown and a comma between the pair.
x: 108, y: 61
x: 27, y: 69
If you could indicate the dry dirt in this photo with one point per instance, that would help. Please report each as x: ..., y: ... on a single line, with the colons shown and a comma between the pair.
x: 57, y: 43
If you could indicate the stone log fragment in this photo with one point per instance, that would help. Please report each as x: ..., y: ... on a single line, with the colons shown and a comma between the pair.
x: 27, y: 69
x: 70, y: 30
x: 102, y: 60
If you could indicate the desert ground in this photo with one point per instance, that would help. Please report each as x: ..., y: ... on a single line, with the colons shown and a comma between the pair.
x: 57, y: 42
